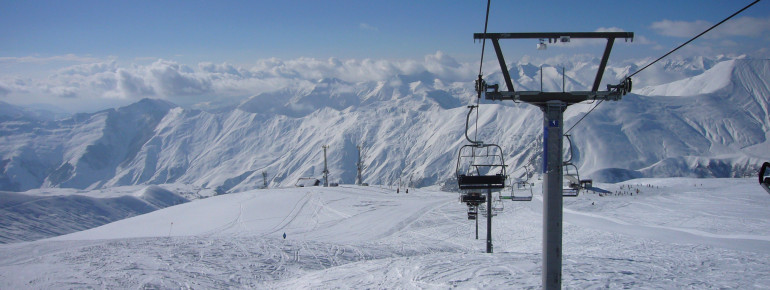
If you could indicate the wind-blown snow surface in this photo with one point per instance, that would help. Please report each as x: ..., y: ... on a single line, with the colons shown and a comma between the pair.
x: 44, y: 213
x: 672, y: 233
x: 711, y: 125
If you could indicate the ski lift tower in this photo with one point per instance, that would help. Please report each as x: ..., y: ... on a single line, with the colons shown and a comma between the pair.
x: 326, y: 169
x: 359, y: 166
x: 553, y: 105
x: 264, y: 178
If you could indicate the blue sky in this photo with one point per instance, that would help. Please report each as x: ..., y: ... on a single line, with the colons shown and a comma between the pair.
x: 40, y: 38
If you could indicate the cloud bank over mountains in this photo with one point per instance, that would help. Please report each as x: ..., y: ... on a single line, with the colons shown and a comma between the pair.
x: 184, y: 84
x: 96, y: 85
x: 412, y: 126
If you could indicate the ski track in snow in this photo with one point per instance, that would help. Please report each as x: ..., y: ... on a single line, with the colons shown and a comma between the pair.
x: 370, y: 237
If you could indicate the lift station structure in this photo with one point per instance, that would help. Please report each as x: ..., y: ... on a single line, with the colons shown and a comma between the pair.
x: 553, y: 105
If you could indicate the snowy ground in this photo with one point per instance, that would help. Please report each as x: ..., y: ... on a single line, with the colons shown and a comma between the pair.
x: 673, y: 233
x: 48, y: 212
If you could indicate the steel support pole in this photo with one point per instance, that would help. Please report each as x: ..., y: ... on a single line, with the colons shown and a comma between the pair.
x: 358, y: 167
x: 264, y: 178
x: 326, y: 170
x: 489, y: 220
x: 477, y: 222
x: 553, y: 115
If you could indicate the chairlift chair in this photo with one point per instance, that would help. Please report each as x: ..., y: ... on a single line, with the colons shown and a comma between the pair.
x: 484, y: 213
x: 473, y: 198
x: 521, y: 186
x: 497, y: 204
x: 571, y: 180
x: 480, y: 166
x: 473, y: 211
x: 764, y: 176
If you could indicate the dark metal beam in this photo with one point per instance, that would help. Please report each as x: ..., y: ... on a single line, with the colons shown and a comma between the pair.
x: 603, y: 64
x: 552, y: 35
x: 540, y: 98
x: 489, y: 221
x: 503, y: 66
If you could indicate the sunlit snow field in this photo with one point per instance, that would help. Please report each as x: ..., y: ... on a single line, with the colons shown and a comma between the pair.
x: 672, y: 233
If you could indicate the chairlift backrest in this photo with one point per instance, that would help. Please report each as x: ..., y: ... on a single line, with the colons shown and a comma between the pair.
x: 522, y: 186
x: 480, y: 166
x: 572, y: 184
x: 497, y: 204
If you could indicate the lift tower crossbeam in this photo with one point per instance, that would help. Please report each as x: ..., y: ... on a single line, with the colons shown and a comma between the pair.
x: 553, y: 105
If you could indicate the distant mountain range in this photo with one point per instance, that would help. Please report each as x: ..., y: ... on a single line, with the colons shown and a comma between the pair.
x: 711, y: 122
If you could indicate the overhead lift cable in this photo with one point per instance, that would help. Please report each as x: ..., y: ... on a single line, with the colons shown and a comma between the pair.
x: 484, y: 41
x: 665, y: 55
x: 702, y: 33
x: 480, y: 84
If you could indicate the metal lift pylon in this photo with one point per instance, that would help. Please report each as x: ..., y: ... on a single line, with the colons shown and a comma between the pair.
x: 553, y: 105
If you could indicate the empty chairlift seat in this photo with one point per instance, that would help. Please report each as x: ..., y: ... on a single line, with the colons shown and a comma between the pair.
x: 496, y: 181
x: 520, y: 191
x: 571, y: 184
x: 473, y: 198
x: 480, y: 166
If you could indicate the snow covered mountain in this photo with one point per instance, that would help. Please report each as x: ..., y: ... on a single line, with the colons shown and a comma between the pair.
x: 713, y: 124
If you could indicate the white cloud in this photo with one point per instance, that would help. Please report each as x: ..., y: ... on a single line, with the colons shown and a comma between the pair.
x: 743, y: 26
x: 132, y: 86
x: 175, y: 80
x: 104, y: 80
x: 679, y: 28
x: 109, y: 83
x: 367, y: 27
x: 89, y: 68
x: 641, y: 39
x: 4, y: 90
x: 63, y: 91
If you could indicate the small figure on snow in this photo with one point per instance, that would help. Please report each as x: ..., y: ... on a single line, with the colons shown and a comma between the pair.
x: 284, y: 236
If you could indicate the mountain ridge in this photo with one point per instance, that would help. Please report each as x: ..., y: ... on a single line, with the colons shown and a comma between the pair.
x: 410, y: 125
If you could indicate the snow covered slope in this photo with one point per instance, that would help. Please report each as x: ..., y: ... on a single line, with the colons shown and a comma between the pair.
x: 714, y: 124
x: 38, y: 214
x: 671, y: 233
